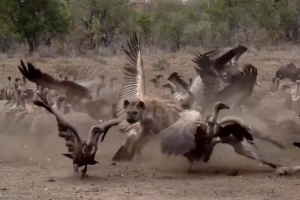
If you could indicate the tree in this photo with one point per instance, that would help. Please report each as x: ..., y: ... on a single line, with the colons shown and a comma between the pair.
x: 31, y: 20
x: 103, y: 19
x: 170, y: 18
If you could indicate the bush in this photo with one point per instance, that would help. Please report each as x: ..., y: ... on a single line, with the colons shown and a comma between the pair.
x: 5, y: 43
x: 160, y: 65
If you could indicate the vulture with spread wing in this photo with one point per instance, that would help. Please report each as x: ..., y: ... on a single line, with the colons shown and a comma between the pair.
x: 183, y: 93
x: 73, y: 91
x: 133, y: 86
x: 229, y: 68
x: 214, y: 62
x: 196, y: 140
x: 82, y: 152
x: 216, y: 89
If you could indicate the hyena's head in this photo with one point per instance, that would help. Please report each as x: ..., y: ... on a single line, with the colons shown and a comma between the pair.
x: 134, y: 110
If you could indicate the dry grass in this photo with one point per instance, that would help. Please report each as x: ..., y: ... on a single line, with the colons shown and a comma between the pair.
x: 267, y: 63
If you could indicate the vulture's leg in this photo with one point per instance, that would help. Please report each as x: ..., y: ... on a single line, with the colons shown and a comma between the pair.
x: 83, y: 172
x: 190, y: 169
x: 287, y: 170
x: 75, y: 167
x: 250, y: 151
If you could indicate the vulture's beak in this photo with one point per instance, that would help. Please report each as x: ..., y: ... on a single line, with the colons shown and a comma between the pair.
x: 259, y: 84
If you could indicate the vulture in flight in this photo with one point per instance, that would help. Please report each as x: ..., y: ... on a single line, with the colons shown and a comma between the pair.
x: 73, y: 91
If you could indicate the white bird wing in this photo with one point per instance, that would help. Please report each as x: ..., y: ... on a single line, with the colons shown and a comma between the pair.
x: 179, y: 138
x: 89, y: 84
x: 133, y: 79
x: 181, y: 85
x: 196, y: 87
x: 133, y: 84
x: 210, y: 79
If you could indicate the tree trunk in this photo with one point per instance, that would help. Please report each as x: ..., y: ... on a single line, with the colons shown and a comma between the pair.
x: 31, y: 45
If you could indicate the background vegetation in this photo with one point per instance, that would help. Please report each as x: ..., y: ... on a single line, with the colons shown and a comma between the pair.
x: 77, y: 26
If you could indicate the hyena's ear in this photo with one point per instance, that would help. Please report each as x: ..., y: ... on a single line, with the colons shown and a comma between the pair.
x: 125, y: 104
x: 142, y: 105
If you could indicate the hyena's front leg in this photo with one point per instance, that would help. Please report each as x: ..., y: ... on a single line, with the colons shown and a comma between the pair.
x: 140, y: 142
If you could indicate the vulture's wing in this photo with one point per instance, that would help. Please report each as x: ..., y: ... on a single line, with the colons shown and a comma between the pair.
x: 133, y: 84
x: 134, y: 79
x: 240, y: 87
x: 66, y: 131
x: 214, y: 55
x: 70, y: 88
x: 217, y: 53
x: 181, y: 85
x: 240, y: 51
x: 209, y: 76
x: 196, y: 86
x: 232, y: 127
x: 296, y: 144
x: 179, y: 138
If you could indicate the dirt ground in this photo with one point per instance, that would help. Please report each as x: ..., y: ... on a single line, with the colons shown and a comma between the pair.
x: 31, y: 171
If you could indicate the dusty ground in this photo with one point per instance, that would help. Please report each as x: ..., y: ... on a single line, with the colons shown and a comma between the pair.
x: 31, y: 172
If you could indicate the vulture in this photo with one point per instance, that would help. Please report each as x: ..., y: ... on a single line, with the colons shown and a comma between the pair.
x: 291, y: 95
x: 215, y: 88
x: 183, y: 93
x: 195, y: 140
x: 9, y: 90
x: 73, y: 91
x: 275, y: 85
x: 229, y: 68
x: 211, y: 82
x: 172, y: 87
x: 155, y: 80
x: 77, y: 95
x: 112, y: 85
x: 19, y: 104
x: 82, y: 152
x: 290, y: 71
x: 131, y: 89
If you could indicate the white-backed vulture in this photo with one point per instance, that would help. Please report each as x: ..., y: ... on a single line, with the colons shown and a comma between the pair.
x: 155, y: 80
x: 215, y: 89
x: 230, y: 67
x: 290, y: 71
x: 195, y: 139
x: 73, y: 91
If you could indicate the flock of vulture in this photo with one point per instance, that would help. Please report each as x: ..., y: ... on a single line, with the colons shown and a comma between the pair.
x: 183, y: 119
